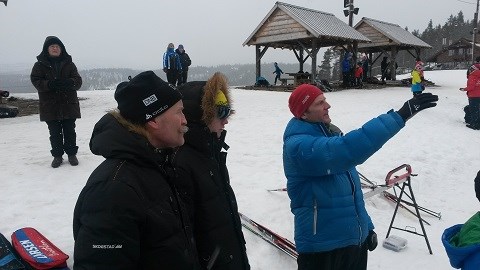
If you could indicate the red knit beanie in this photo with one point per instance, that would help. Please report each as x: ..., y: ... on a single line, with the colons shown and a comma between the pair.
x: 302, y: 97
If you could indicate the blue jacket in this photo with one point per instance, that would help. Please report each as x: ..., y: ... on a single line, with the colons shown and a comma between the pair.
x: 346, y: 65
x: 277, y: 71
x: 467, y: 257
x: 323, y: 184
x: 166, y: 60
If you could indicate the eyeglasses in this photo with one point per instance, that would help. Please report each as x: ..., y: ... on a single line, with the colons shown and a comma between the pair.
x: 223, y: 111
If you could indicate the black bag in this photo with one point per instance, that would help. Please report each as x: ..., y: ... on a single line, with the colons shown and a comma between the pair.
x: 9, y: 260
x: 172, y: 59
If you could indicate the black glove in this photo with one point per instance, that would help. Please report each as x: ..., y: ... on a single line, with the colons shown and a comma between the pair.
x: 372, y: 240
x: 53, y: 85
x: 416, y: 104
x: 65, y: 84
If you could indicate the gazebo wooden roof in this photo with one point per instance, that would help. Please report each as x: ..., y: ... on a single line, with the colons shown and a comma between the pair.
x: 300, y: 30
x: 388, y: 37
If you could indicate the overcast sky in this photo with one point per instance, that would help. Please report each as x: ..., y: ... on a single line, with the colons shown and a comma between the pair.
x: 135, y: 33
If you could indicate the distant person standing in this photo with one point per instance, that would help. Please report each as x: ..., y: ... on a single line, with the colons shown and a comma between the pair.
x: 347, y: 70
x: 473, y: 93
x: 171, y: 64
x: 358, y: 75
x: 56, y: 79
x: 417, y: 80
x: 365, y: 64
x: 185, y: 62
x: 277, y: 72
x: 384, y: 67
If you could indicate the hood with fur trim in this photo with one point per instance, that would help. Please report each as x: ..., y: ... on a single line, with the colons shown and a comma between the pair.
x: 202, y: 98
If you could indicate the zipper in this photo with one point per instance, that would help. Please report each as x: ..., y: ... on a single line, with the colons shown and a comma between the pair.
x: 350, y: 178
x: 314, y: 216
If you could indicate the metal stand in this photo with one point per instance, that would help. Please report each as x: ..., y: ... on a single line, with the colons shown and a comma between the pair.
x: 407, y: 183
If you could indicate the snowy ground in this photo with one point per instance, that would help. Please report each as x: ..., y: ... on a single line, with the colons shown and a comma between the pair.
x: 441, y: 150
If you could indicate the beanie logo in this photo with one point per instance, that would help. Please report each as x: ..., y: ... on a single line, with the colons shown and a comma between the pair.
x: 305, y: 99
x: 149, y: 100
x: 163, y: 108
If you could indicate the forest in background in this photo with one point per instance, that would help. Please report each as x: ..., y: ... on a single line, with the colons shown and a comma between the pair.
x: 438, y: 36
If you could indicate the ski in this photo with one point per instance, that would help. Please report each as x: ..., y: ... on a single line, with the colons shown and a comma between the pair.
x: 276, y: 240
x: 278, y: 189
x: 394, y: 199
x: 423, y: 209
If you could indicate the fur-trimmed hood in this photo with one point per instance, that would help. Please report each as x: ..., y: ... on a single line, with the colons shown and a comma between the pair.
x: 200, y: 98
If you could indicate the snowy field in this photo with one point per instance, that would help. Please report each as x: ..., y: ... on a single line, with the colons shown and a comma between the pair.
x: 441, y: 150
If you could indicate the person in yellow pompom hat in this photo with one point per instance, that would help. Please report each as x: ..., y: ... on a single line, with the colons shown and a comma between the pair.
x: 203, y: 180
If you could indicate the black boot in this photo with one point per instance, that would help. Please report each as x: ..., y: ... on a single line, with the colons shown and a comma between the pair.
x: 73, y: 160
x: 57, y: 161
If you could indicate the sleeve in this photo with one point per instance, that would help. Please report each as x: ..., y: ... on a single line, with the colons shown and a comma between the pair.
x: 188, y: 60
x: 321, y: 155
x: 165, y: 60
x: 75, y: 76
x: 38, y: 78
x: 107, y: 227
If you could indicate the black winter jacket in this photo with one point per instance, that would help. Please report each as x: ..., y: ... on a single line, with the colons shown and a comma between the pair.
x: 129, y: 216
x: 185, y: 60
x: 204, y: 185
x: 55, y: 104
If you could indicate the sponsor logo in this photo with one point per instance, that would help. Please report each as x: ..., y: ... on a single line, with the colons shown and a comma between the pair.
x: 305, y: 99
x: 163, y: 108
x: 106, y: 246
x: 32, y: 249
x: 149, y: 100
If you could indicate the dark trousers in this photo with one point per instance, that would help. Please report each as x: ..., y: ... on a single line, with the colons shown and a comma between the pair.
x: 172, y: 76
x: 277, y: 77
x: 63, y: 137
x: 474, y: 107
x: 182, y: 77
x: 358, y: 82
x: 351, y: 258
x: 347, y: 79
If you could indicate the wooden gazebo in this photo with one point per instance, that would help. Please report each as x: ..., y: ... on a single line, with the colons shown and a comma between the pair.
x: 388, y: 37
x: 301, y: 30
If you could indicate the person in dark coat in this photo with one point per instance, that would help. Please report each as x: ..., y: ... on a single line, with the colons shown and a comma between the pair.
x: 204, y: 181
x: 185, y: 62
x: 383, y: 68
x: 129, y: 215
x: 278, y: 71
x: 56, y: 79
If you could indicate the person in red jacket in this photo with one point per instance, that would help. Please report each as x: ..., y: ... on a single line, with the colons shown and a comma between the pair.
x: 358, y: 75
x: 473, y: 94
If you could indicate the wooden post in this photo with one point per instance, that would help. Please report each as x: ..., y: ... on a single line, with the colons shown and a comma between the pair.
x: 258, y: 57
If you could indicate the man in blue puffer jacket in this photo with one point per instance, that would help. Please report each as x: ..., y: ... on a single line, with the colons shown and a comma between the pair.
x: 332, y: 227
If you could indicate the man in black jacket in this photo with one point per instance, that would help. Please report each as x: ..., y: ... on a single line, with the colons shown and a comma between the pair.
x: 128, y: 216
x: 203, y: 181
x: 185, y: 62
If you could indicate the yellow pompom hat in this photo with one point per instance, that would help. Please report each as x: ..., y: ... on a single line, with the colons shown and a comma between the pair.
x: 216, y: 98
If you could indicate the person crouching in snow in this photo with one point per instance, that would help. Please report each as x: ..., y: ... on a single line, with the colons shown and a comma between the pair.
x: 462, y: 241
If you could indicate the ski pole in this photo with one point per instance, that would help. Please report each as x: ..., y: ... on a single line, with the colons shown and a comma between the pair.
x: 387, y: 195
x: 278, y: 189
